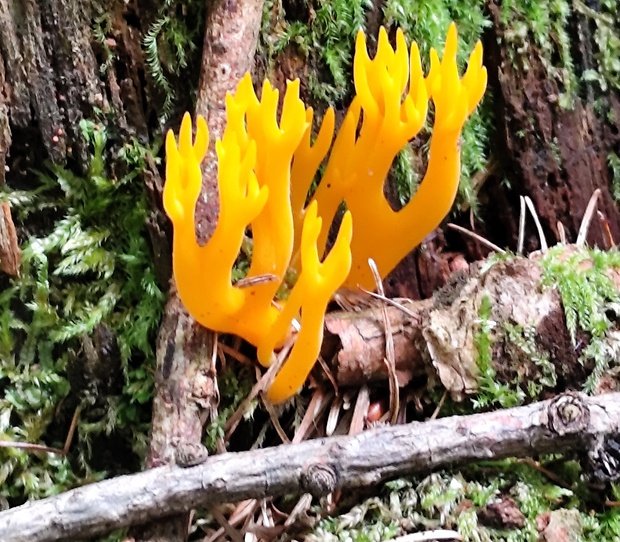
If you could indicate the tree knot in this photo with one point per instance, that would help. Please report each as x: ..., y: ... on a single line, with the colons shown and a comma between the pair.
x: 568, y: 413
x: 319, y: 479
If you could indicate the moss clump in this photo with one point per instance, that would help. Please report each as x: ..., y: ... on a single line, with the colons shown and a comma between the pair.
x: 170, y: 45
x: 590, y: 299
x: 87, y: 262
x: 491, y: 391
x: 606, y: 73
x: 460, y: 500
x: 544, y: 25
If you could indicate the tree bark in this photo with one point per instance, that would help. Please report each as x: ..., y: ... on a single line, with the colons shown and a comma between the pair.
x: 555, y: 154
x: 568, y: 422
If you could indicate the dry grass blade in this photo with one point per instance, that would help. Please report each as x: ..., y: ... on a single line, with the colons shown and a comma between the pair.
x: 300, y: 508
x: 561, y: 233
x: 232, y: 533
x: 243, y: 511
x: 273, y: 415
x: 319, y: 402
x: 328, y: 373
x: 389, y: 301
x: 545, y: 472
x: 439, y: 405
x: 263, y: 383
x: 254, y: 281
x: 584, y: 228
x: 34, y: 448
x: 521, y: 238
x: 609, y: 238
x: 235, y: 354
x: 541, y: 234
x: 332, y: 417
x: 477, y: 237
x: 31, y: 448
x: 390, y: 360
x: 361, y: 410
x: 587, y: 218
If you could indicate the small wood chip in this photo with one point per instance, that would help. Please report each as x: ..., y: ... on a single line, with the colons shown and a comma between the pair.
x: 10, y: 253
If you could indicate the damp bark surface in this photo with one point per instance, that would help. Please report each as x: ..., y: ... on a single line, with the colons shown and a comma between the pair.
x: 555, y: 152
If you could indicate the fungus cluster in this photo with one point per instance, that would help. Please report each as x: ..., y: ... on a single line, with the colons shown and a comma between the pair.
x: 266, y: 166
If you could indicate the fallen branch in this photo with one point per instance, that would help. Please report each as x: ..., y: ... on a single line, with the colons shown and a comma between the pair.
x: 570, y: 421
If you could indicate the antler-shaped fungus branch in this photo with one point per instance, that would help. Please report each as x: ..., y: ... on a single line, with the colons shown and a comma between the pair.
x: 254, y: 168
x: 315, y: 286
x: 391, y: 114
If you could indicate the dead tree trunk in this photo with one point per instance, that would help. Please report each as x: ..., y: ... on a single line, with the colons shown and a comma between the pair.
x: 554, y: 141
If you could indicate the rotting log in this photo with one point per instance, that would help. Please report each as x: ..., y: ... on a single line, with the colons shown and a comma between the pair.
x: 566, y: 423
x: 437, y: 336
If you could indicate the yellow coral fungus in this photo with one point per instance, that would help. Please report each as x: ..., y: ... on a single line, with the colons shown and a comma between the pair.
x: 312, y: 292
x: 265, y: 169
x: 254, y: 165
x: 390, y: 117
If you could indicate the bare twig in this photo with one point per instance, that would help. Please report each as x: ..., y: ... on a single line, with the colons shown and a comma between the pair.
x: 35, y: 448
x: 568, y: 422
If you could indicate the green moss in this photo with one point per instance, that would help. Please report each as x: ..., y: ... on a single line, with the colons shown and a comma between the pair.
x: 491, y: 391
x: 405, y: 176
x: 545, y: 25
x: 590, y: 300
x: 455, y: 500
x: 87, y: 261
x: 521, y: 344
x: 607, y: 40
x: 327, y: 43
x: 169, y: 45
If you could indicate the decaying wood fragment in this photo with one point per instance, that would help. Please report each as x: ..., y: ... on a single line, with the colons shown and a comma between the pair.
x: 568, y: 422
x: 437, y: 336
x: 10, y: 253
